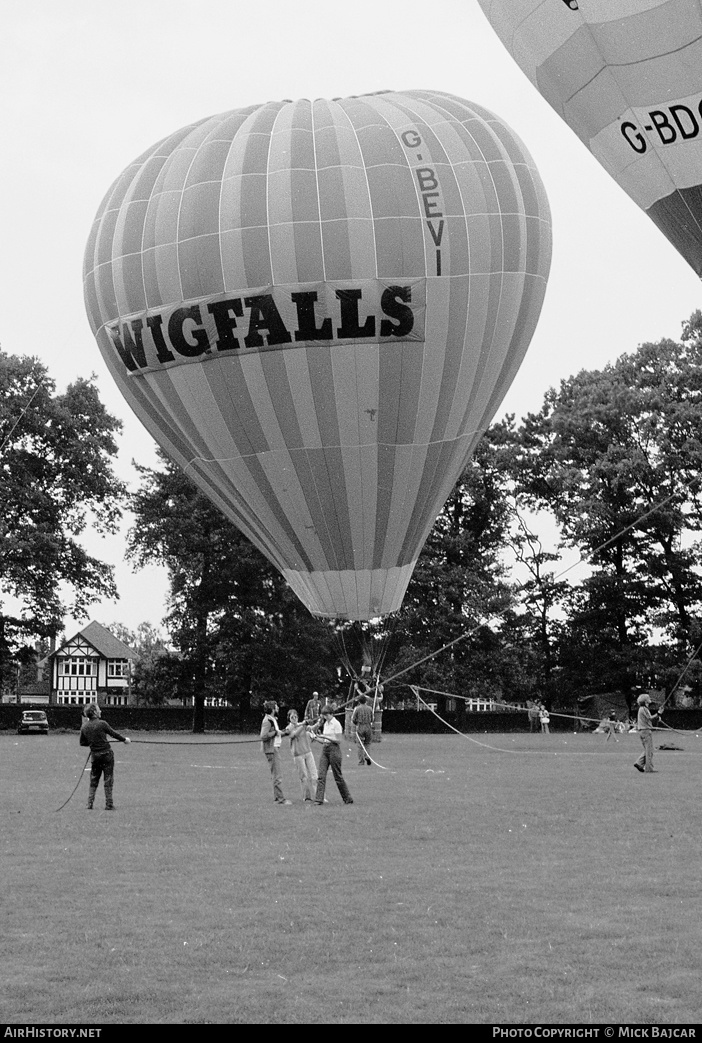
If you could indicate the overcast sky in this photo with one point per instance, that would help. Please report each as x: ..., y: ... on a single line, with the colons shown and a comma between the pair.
x: 87, y: 85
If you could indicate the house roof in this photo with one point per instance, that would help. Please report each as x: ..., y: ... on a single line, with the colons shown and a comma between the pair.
x: 103, y: 641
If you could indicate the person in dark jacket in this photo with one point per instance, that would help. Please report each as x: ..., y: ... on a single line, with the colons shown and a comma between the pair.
x: 94, y: 734
x: 271, y: 739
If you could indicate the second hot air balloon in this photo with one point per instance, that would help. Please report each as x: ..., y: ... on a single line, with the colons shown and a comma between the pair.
x: 315, y: 308
x: 626, y: 76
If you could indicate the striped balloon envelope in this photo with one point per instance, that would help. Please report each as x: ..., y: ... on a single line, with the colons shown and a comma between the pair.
x: 626, y: 76
x: 315, y: 308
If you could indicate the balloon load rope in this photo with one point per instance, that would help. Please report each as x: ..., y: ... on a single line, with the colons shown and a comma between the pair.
x: 7, y: 438
x: 521, y: 587
x: 368, y: 640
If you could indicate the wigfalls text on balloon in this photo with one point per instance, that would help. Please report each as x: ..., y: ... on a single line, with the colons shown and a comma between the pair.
x: 370, y: 311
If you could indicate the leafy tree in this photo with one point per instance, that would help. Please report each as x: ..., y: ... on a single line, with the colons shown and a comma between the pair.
x: 459, y: 584
x: 544, y: 599
x: 240, y: 632
x: 55, y: 476
x: 615, y: 456
x: 156, y: 669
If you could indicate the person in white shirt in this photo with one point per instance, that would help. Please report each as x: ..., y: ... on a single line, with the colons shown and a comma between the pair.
x: 329, y: 733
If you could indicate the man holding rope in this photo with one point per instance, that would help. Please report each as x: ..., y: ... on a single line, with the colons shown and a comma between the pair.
x: 644, y: 726
x: 271, y: 740
x: 330, y: 737
x: 362, y: 718
x: 94, y: 733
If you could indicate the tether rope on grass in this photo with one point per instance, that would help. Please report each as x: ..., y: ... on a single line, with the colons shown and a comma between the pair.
x: 82, y: 773
x: 677, y: 731
x: 663, y: 726
x: 184, y: 742
x: 359, y: 740
x: 498, y: 749
x: 159, y: 742
x: 463, y: 735
x: 510, y: 706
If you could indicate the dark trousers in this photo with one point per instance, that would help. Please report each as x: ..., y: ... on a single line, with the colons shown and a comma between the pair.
x: 364, y: 732
x: 273, y: 759
x: 331, y: 758
x: 103, y: 765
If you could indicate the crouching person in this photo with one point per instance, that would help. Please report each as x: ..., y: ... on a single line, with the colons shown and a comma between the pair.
x: 94, y: 733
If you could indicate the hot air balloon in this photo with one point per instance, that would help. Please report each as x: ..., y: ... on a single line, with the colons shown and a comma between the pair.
x: 626, y: 76
x: 315, y: 308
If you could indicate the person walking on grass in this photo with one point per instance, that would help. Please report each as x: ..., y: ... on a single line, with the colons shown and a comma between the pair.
x: 271, y: 741
x: 611, y: 727
x: 329, y: 733
x: 362, y: 718
x: 644, y: 726
x: 302, y: 755
x: 94, y: 733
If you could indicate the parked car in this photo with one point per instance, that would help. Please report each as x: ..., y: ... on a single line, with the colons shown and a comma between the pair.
x: 33, y: 721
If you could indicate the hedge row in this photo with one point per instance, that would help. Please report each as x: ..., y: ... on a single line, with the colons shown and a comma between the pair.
x: 175, y: 719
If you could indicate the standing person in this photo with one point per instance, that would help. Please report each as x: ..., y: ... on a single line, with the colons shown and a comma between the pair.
x: 94, y: 733
x: 544, y: 718
x: 611, y: 723
x: 302, y: 755
x: 271, y: 741
x: 533, y: 714
x: 362, y: 717
x: 330, y: 737
x: 644, y: 726
x: 313, y: 709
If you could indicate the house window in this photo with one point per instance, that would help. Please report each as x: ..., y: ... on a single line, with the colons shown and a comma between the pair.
x: 480, y: 705
x: 118, y: 668
x: 78, y: 666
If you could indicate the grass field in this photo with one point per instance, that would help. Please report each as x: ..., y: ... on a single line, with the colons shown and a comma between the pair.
x: 549, y: 883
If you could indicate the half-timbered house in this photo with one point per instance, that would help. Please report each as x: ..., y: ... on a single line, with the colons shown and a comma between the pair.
x: 92, y: 666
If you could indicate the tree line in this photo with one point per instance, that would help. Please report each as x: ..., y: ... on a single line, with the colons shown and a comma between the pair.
x: 609, y: 467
